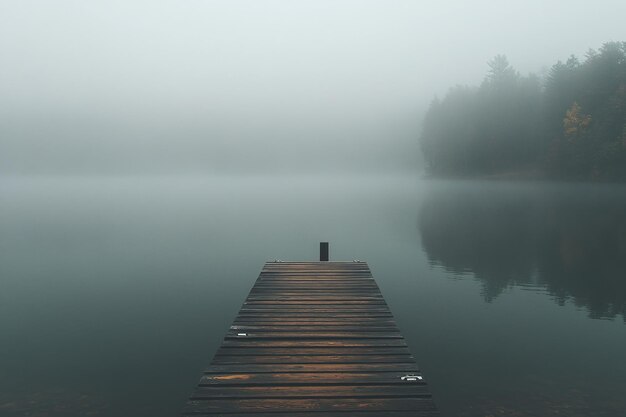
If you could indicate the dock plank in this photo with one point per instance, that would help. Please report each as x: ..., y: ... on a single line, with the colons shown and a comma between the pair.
x: 313, y: 339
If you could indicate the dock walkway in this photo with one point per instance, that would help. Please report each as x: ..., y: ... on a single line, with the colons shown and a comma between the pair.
x: 313, y: 339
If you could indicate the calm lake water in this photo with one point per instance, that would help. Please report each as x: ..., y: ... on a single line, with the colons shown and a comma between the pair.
x: 116, y: 292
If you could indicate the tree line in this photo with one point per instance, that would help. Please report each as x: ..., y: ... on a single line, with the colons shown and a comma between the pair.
x: 570, y: 124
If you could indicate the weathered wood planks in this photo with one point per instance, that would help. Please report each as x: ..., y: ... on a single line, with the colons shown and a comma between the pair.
x: 313, y: 339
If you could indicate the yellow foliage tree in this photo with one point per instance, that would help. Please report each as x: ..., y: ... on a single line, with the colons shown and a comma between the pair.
x: 575, y: 121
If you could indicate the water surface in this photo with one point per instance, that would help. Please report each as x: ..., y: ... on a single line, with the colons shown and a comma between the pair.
x: 116, y: 291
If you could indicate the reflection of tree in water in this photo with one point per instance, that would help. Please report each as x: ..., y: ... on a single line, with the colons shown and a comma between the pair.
x: 465, y: 232
x: 569, y: 239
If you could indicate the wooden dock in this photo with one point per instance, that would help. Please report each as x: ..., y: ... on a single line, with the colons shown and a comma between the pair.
x: 313, y: 339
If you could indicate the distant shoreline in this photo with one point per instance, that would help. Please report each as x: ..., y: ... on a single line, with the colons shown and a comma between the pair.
x: 530, y: 175
x: 567, y: 125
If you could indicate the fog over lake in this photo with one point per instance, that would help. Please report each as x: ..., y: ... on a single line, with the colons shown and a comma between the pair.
x: 137, y: 87
x: 153, y: 155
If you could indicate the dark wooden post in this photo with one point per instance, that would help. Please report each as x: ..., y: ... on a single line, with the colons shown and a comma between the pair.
x: 324, y: 251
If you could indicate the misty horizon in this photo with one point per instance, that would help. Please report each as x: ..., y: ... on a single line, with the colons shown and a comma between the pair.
x: 252, y: 87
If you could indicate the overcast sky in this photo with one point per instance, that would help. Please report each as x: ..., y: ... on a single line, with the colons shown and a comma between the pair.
x: 186, y: 86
